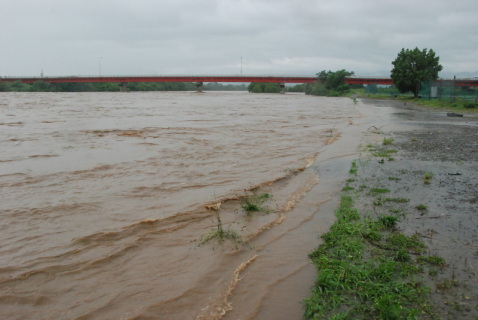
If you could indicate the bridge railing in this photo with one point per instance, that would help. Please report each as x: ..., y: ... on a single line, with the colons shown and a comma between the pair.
x: 213, y: 78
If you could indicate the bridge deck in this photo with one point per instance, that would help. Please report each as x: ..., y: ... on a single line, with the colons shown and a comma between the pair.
x: 269, y: 79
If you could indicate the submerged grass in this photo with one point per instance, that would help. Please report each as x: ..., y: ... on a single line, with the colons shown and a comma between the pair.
x: 368, y: 270
x: 220, y: 234
x: 255, y: 202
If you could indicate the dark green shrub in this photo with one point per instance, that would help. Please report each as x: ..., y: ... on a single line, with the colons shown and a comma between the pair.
x: 470, y: 105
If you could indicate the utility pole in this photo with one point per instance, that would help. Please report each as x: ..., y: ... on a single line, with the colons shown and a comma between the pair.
x: 454, y: 89
x: 241, y: 66
x: 99, y: 65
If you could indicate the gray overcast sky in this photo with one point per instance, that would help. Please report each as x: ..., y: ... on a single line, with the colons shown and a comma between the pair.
x: 193, y: 37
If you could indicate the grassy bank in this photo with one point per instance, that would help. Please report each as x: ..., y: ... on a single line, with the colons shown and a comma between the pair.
x: 460, y: 105
x: 369, y: 270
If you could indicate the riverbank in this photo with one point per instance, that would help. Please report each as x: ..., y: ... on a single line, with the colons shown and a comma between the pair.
x: 423, y: 170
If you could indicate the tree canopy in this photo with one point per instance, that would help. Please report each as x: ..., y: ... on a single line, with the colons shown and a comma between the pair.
x: 330, y: 83
x: 412, y: 67
x: 258, y: 87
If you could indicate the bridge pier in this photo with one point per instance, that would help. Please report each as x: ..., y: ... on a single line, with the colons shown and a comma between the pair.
x: 123, y: 86
x: 199, y: 86
x: 282, y: 88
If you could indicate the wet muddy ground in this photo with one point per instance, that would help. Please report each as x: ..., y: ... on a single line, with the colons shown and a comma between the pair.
x: 433, y: 168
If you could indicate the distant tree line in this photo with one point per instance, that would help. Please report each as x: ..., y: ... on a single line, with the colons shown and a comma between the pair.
x: 259, y: 87
x: 215, y: 86
x: 42, y: 86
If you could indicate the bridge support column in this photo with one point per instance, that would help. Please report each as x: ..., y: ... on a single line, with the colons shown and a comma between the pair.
x: 123, y: 86
x: 282, y: 88
x: 199, y: 86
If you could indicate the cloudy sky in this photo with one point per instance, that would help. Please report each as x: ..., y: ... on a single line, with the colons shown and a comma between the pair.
x: 218, y: 37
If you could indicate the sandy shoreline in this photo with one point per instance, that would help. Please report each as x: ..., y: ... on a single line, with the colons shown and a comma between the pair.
x: 446, y: 148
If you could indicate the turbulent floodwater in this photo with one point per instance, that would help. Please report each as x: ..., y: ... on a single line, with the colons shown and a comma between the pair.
x: 104, y: 199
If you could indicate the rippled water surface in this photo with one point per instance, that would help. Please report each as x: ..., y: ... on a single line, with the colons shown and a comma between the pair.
x: 104, y: 195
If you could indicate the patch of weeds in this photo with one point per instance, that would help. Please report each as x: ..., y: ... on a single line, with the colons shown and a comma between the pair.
x: 421, y: 207
x: 255, y: 202
x: 410, y: 269
x: 220, y: 234
x: 354, y: 168
x: 394, y: 178
x: 401, y: 242
x: 388, y: 222
x: 386, y: 153
x: 375, y: 191
x: 370, y: 146
x: 348, y: 188
x: 350, y: 180
x: 470, y: 105
x: 433, y: 272
x: 433, y: 260
x: 373, y: 235
x: 427, y: 178
x: 397, y: 200
x: 447, y: 284
x: 387, y: 141
x: 414, y: 139
x: 365, y: 271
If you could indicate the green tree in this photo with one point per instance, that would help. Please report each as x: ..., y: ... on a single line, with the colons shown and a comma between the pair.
x: 297, y: 88
x: 4, y: 86
x: 330, y: 83
x: 412, y: 67
x: 257, y: 87
x: 19, y: 86
x: 41, y: 86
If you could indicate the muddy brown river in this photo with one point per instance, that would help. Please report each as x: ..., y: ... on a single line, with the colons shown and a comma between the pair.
x: 104, y: 195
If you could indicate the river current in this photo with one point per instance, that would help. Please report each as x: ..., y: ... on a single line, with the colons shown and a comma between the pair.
x: 105, y: 198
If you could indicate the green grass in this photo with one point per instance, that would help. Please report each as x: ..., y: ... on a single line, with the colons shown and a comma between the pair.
x: 376, y: 191
x: 220, y: 234
x: 255, y: 202
x: 394, y: 179
x: 433, y: 260
x: 396, y: 200
x: 458, y: 105
x: 421, y: 207
x: 354, y: 168
x: 427, y: 178
x: 385, y: 153
x: 367, y: 270
x: 444, y: 104
x: 387, y: 141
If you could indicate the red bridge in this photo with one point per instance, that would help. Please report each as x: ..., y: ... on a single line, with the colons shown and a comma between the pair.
x: 200, y: 79
x: 271, y: 79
